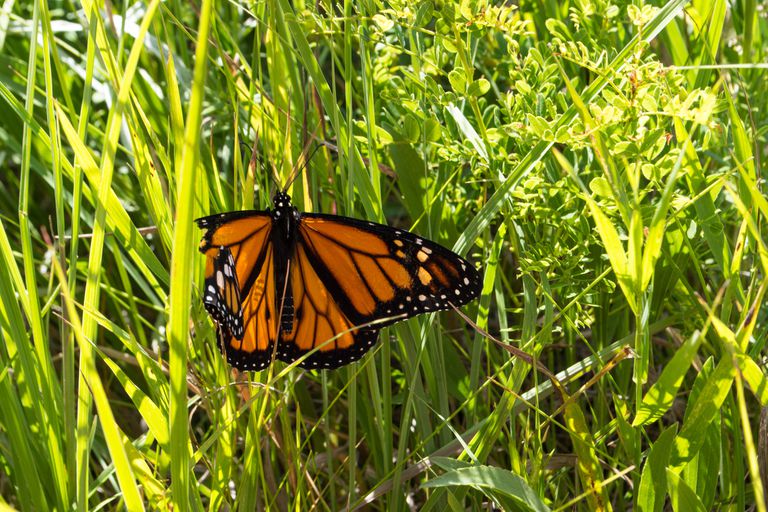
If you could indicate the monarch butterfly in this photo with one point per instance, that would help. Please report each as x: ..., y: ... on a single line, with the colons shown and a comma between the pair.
x: 333, y: 281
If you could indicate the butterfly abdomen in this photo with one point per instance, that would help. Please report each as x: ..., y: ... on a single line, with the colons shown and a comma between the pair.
x: 286, y: 307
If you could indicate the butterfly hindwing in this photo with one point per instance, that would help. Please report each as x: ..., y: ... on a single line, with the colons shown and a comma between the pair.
x: 319, y: 323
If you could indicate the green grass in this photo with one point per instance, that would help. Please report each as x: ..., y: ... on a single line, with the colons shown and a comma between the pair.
x: 603, y: 163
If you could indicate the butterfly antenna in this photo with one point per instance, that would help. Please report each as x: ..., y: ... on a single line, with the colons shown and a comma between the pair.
x: 253, y: 162
x: 253, y: 147
x: 304, y: 159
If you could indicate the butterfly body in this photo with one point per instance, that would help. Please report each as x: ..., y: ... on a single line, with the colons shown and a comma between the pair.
x: 285, y: 220
x: 319, y: 287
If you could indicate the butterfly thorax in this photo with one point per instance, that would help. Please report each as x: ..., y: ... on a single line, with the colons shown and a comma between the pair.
x: 285, y: 218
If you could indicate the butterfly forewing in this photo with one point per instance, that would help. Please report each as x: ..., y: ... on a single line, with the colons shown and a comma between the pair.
x: 382, y: 273
x: 245, y: 234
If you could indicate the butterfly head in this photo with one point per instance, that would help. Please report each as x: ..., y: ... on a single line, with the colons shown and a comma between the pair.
x: 281, y: 200
x: 285, y: 217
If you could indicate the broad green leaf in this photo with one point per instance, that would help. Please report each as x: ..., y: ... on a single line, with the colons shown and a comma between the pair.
x: 701, y: 412
x: 653, y: 479
x: 479, y: 87
x: 683, y: 498
x: 662, y: 394
x: 490, y: 479
x: 458, y: 80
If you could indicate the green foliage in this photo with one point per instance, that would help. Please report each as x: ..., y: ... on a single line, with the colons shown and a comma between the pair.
x: 601, y: 160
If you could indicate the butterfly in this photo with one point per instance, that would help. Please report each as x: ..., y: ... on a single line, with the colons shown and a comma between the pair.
x: 284, y: 283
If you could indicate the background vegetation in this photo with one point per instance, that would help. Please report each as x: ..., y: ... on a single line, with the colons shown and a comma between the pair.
x: 602, y: 161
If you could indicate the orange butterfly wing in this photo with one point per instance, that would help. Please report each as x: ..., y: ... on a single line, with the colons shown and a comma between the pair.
x: 347, y: 273
x: 246, y: 291
x: 319, y: 322
x: 347, y: 278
